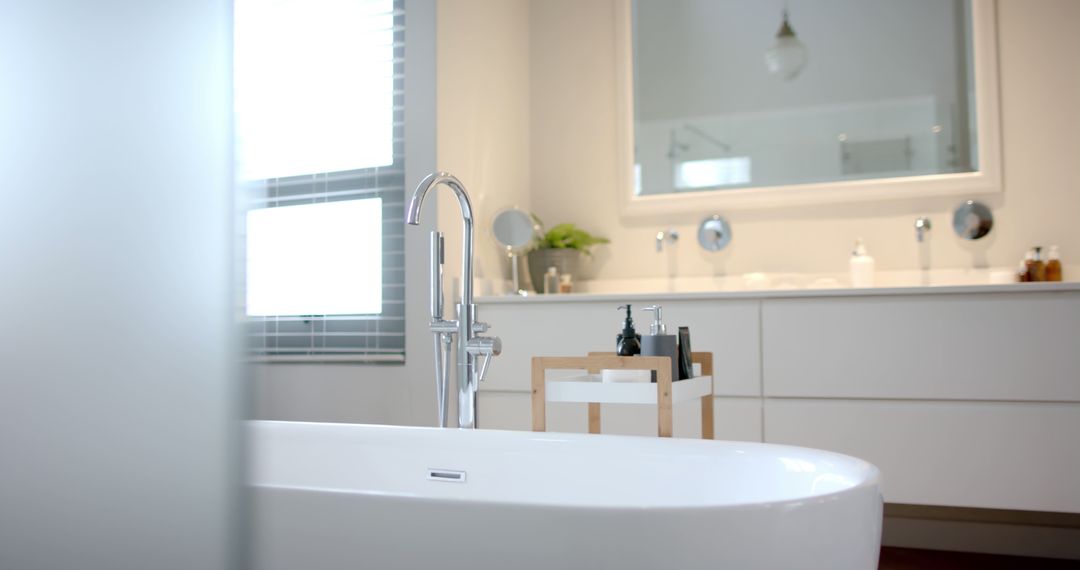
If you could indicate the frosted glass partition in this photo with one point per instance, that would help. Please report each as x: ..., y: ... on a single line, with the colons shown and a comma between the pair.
x: 120, y: 387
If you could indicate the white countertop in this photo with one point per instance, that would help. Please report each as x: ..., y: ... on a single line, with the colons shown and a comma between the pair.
x: 784, y: 293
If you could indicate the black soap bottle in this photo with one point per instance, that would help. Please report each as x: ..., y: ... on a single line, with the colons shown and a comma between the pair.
x: 629, y: 342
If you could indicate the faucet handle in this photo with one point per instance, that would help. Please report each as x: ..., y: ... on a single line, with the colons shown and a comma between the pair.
x: 922, y: 226
x: 487, y: 346
x: 480, y: 327
x: 484, y: 346
x: 671, y: 235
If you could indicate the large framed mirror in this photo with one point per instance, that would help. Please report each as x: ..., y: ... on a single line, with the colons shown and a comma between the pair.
x: 729, y: 104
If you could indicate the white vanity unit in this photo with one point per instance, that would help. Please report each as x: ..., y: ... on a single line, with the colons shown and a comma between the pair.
x: 964, y: 396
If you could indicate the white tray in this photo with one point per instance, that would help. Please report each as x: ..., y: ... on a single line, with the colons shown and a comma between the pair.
x: 589, y: 388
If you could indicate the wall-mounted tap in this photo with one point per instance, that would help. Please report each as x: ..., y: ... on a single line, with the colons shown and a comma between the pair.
x: 922, y: 227
x: 470, y: 345
x: 671, y: 235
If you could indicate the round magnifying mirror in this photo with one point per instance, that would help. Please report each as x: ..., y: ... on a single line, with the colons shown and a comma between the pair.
x: 714, y: 233
x: 972, y: 220
x: 513, y: 228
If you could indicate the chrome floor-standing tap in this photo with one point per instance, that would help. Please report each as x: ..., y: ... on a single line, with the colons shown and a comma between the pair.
x: 470, y: 345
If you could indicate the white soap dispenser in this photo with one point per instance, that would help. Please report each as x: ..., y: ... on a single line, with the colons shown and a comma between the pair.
x: 862, y: 266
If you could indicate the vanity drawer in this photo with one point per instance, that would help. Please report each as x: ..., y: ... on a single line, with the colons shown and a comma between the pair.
x: 1010, y: 346
x: 986, y: 454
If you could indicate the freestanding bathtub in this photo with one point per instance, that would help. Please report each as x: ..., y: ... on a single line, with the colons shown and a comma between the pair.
x: 330, y: 496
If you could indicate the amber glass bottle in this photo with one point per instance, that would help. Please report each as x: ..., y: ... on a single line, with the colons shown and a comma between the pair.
x: 1022, y: 273
x: 1053, y: 264
x: 1036, y: 269
x: 1029, y: 266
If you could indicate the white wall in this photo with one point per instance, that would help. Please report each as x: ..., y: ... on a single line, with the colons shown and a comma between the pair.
x: 574, y: 161
x: 119, y: 381
x: 483, y: 119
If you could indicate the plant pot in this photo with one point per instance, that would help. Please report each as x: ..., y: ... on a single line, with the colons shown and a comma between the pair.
x: 566, y: 261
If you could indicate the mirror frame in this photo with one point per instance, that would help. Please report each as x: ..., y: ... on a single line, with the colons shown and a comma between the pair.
x: 986, y: 180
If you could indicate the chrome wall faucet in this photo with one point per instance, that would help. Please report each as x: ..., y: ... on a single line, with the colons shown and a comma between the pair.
x: 671, y: 235
x: 922, y: 227
x: 471, y: 347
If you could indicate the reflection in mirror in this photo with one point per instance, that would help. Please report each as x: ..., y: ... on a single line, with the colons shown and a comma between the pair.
x: 845, y: 90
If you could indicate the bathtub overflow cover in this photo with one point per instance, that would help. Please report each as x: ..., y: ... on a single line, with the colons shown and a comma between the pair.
x: 448, y: 475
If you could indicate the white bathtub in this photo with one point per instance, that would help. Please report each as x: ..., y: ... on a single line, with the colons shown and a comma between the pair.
x: 357, y: 496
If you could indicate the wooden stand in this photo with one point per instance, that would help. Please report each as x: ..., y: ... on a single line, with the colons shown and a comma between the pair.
x: 589, y: 389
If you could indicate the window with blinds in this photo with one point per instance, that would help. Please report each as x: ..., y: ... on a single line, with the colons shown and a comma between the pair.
x: 320, y: 124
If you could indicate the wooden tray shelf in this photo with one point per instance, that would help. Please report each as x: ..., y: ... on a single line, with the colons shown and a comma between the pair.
x: 589, y: 389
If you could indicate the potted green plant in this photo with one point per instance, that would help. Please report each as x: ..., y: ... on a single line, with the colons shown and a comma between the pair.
x: 565, y: 247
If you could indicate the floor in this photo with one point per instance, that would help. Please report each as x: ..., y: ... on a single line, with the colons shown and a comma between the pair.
x: 911, y: 559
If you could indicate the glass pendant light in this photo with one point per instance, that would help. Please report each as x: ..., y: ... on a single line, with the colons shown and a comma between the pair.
x: 787, y: 57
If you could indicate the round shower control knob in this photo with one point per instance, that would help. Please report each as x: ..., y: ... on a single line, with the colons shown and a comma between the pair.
x: 714, y: 233
x: 972, y: 220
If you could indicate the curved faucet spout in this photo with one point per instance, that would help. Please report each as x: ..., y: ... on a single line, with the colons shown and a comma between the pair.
x: 412, y: 215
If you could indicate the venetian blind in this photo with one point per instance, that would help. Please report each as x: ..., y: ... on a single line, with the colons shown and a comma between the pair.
x: 320, y: 120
